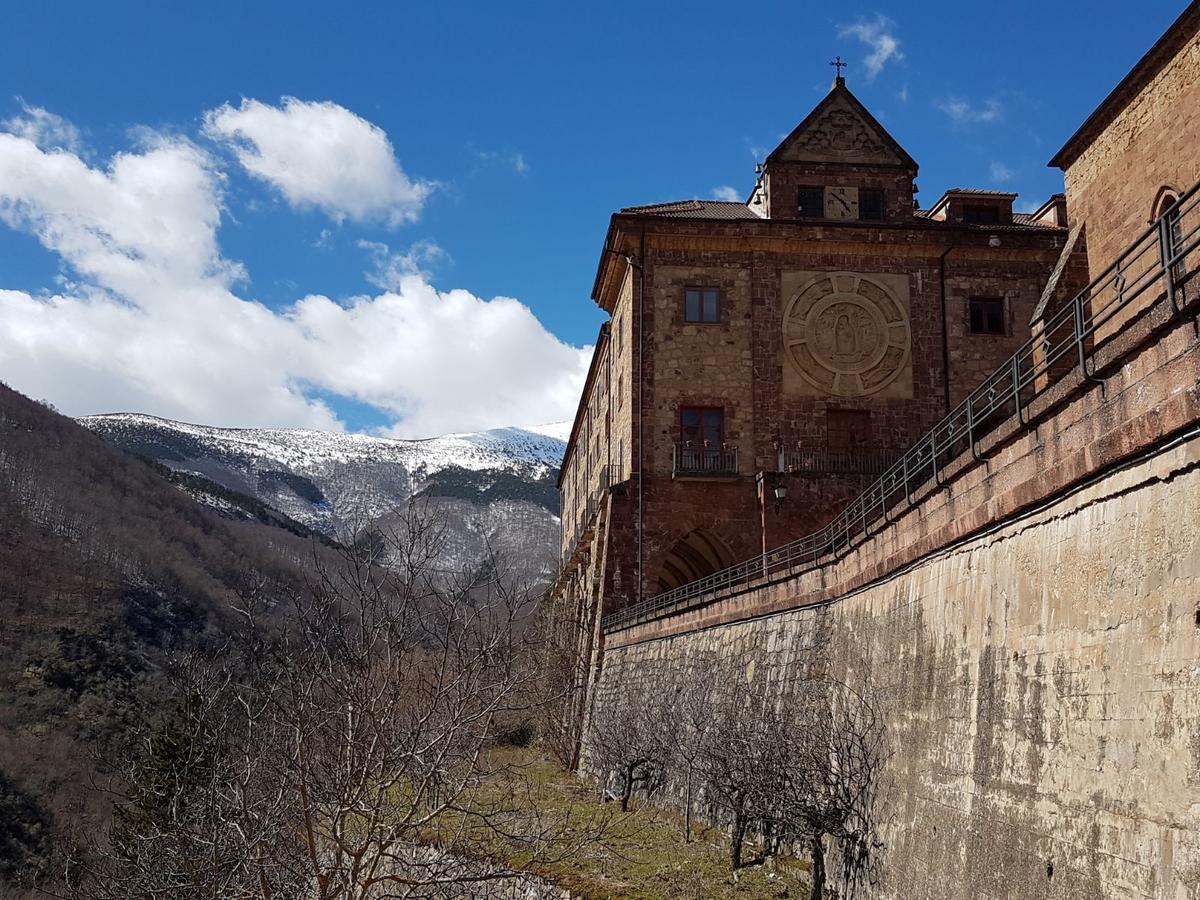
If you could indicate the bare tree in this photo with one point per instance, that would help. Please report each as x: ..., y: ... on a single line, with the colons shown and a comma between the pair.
x: 340, y: 751
x: 696, y: 696
x: 633, y: 737
x: 733, y: 754
x: 562, y: 635
x: 824, y: 749
x: 791, y: 756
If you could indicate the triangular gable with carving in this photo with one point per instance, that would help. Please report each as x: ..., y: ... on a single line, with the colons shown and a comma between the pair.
x: 841, y: 130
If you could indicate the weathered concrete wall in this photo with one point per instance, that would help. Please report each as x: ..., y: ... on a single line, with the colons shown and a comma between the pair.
x: 1042, y: 691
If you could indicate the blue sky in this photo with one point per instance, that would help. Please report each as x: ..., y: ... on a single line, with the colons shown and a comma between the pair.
x: 510, y: 132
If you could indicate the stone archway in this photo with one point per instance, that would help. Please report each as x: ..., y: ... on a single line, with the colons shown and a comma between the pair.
x: 1164, y: 199
x: 696, y: 554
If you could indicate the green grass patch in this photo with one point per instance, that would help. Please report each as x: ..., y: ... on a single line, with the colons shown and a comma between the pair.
x: 640, y: 854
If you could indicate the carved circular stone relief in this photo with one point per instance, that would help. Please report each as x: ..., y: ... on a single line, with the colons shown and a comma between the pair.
x: 846, y: 334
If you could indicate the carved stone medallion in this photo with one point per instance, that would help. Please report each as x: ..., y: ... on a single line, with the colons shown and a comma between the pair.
x: 846, y: 334
x: 841, y: 133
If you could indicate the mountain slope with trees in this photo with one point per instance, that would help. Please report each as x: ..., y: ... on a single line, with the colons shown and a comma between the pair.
x: 107, y: 570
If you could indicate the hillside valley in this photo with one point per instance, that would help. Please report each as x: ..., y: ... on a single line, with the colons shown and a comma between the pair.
x: 496, y: 488
x: 108, y: 571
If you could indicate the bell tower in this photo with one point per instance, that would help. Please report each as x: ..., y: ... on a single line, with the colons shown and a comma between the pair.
x: 839, y: 166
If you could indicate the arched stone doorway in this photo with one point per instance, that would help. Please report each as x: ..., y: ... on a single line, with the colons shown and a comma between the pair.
x: 1163, y: 201
x: 696, y: 554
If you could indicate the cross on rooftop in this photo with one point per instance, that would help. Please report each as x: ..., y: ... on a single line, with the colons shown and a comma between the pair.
x: 838, y: 64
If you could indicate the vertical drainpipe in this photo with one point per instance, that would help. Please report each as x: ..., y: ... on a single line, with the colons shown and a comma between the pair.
x: 945, y: 335
x: 608, y: 395
x: 641, y: 407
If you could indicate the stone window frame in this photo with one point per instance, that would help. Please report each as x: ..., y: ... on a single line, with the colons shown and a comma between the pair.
x: 1165, y: 197
x: 722, y: 293
x: 832, y: 413
x: 980, y: 214
x: 688, y: 406
x: 800, y: 190
x: 1005, y: 325
x: 882, y: 204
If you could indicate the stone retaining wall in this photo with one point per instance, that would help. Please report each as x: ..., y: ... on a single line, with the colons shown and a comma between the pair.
x: 1041, y: 689
x: 1032, y: 632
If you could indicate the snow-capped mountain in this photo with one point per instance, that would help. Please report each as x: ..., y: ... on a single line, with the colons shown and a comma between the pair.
x: 497, y: 486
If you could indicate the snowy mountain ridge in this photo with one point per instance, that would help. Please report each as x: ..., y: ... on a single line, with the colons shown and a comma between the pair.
x: 496, y: 488
x: 533, y: 451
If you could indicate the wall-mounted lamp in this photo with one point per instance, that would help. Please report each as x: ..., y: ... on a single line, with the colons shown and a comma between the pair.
x: 771, y: 487
x: 780, y: 495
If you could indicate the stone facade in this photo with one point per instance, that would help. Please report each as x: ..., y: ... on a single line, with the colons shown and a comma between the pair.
x: 1045, y: 733
x: 1140, y: 142
x: 1027, y: 621
x: 841, y: 334
x: 1030, y: 632
x: 1137, y: 151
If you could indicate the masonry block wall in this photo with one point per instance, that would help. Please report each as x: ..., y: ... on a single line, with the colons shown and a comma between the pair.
x: 739, y: 362
x: 1148, y: 141
x: 1041, y: 692
x: 786, y: 180
x: 1031, y: 631
x: 842, y: 335
x: 973, y: 357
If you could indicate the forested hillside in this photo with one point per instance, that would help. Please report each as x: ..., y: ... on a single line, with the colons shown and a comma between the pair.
x: 106, y: 570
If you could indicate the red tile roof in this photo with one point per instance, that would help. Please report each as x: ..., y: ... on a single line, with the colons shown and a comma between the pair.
x: 695, y: 209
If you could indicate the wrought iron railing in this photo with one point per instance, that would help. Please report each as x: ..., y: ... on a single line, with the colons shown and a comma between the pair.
x: 865, y: 461
x: 604, y: 477
x: 1157, y: 260
x: 687, y: 460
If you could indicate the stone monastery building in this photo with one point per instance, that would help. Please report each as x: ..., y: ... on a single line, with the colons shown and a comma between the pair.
x: 764, y: 360
x: 970, y: 440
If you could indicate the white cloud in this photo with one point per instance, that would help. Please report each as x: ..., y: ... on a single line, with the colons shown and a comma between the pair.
x: 963, y: 112
x: 902, y: 95
x: 725, y: 192
x: 878, y: 34
x: 152, y: 322
x: 391, y: 268
x: 322, y: 155
x: 1000, y: 172
x: 44, y: 128
x: 491, y: 158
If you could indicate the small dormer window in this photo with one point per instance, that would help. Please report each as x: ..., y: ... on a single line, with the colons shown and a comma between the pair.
x: 812, y: 203
x: 980, y: 214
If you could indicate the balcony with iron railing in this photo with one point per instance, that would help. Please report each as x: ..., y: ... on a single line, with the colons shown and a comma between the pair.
x: 816, y: 461
x: 583, y: 514
x: 1148, y: 274
x: 688, y: 460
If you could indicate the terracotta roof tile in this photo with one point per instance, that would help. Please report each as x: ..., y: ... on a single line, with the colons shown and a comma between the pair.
x: 732, y: 210
x: 980, y: 192
x: 695, y: 209
x: 1019, y: 220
